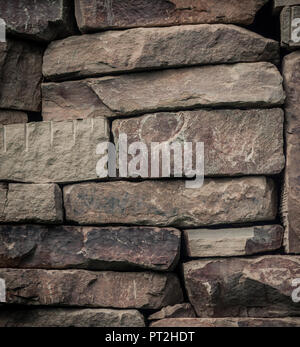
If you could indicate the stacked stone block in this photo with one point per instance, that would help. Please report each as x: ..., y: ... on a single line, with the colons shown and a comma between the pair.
x: 76, y: 250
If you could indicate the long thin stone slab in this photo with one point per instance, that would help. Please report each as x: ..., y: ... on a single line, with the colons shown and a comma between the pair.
x: 144, y: 290
x: 170, y: 203
x: 233, y: 241
x: 12, y: 117
x: 101, y: 14
x: 38, y: 203
x: 151, y: 48
x: 44, y: 152
x: 111, y: 248
x: 236, y: 142
x: 265, y: 286
x: 237, y: 85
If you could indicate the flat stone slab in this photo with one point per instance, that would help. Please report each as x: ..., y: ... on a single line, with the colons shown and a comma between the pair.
x: 101, y: 14
x: 177, y: 311
x: 230, y: 242
x: 243, y: 287
x: 151, y: 48
x: 61, y: 317
x: 144, y: 290
x: 236, y: 142
x: 44, y: 152
x: 12, y: 117
x: 38, y: 203
x: 227, y: 322
x: 111, y: 248
x: 291, y: 196
x: 44, y: 20
x: 237, y: 85
x: 170, y: 203
x: 21, y: 75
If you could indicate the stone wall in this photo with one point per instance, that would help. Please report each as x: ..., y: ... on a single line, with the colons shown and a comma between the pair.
x: 77, y: 249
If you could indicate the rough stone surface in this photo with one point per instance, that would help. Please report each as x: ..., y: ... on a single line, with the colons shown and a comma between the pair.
x: 38, y: 203
x: 112, y: 248
x: 290, y: 37
x: 291, y: 196
x: 145, y: 290
x: 233, y: 241
x: 228, y: 322
x: 20, y: 75
x: 236, y: 142
x: 44, y: 152
x: 145, y: 48
x: 171, y: 203
x: 241, y: 287
x: 101, y: 14
x: 59, y: 317
x: 12, y: 117
x: 237, y: 85
x: 177, y: 311
x: 44, y: 20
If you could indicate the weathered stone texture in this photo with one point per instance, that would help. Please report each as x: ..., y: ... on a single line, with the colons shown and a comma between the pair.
x: 44, y: 152
x: 100, y: 14
x: 111, y: 248
x: 146, y: 290
x: 171, y: 203
x: 44, y: 20
x: 290, y: 34
x: 59, y: 317
x: 12, y: 117
x: 237, y: 287
x: 39, y: 203
x: 177, y: 311
x: 236, y: 142
x: 237, y: 85
x: 228, y: 322
x: 233, y: 241
x: 145, y: 48
x: 291, y: 197
x: 20, y: 75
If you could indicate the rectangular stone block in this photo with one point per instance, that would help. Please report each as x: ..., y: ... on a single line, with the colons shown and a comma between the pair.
x: 233, y: 241
x: 64, y: 317
x: 44, y: 152
x: 101, y: 14
x: 12, y: 117
x: 241, y: 287
x: 152, y: 48
x: 170, y: 203
x: 236, y: 142
x: 44, y: 20
x: 38, y: 203
x: 237, y: 85
x: 144, y: 290
x: 228, y: 322
x: 111, y: 248
x: 279, y: 4
x: 21, y: 75
x: 291, y: 195
x: 290, y: 27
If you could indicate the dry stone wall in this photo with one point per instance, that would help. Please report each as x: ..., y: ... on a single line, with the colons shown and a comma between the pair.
x: 81, y: 250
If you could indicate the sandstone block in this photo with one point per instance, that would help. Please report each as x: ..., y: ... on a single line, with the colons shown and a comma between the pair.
x: 177, y: 311
x: 152, y: 48
x: 236, y: 142
x: 290, y: 27
x: 44, y: 152
x: 291, y: 196
x: 12, y: 117
x: 61, y: 317
x: 111, y: 248
x: 161, y: 203
x: 237, y: 85
x: 21, y: 75
x: 38, y: 203
x: 44, y: 20
x: 227, y: 322
x: 145, y: 290
x: 233, y: 241
x: 99, y: 14
x: 243, y: 287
